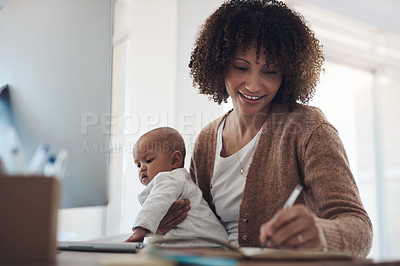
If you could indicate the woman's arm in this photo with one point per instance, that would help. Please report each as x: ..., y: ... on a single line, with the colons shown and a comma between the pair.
x: 332, y: 217
x: 342, y: 217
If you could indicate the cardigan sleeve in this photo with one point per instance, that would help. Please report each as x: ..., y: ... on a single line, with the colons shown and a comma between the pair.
x: 332, y: 194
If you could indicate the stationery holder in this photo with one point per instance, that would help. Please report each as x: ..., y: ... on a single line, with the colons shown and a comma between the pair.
x: 28, y: 224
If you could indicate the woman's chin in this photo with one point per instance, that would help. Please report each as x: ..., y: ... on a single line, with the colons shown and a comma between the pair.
x: 253, y: 109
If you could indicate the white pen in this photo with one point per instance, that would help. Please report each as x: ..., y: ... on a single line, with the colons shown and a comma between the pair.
x: 289, y: 203
x: 48, y: 169
x: 16, y: 153
x: 292, y: 198
x: 38, y: 159
x: 60, y: 164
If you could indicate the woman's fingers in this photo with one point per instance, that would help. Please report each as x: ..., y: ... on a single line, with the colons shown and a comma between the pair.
x: 298, y: 234
x: 178, y: 205
x: 292, y: 228
x: 273, y: 226
x: 175, y: 215
x: 294, y: 223
x: 267, y: 229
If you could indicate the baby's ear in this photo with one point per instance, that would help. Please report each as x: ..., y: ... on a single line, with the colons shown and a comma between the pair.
x: 177, y: 159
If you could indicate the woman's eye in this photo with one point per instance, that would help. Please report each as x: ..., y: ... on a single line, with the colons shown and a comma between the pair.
x: 240, y: 68
x: 269, y: 72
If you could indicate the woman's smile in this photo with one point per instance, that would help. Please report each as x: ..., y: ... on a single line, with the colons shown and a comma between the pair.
x: 250, y: 99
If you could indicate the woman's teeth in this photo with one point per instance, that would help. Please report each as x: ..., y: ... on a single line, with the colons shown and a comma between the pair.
x: 251, y: 97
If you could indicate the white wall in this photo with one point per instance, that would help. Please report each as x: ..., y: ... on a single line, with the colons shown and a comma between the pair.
x: 193, y: 110
x: 145, y: 95
x: 157, y: 37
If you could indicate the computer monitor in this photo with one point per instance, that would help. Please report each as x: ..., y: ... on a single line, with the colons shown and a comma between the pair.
x: 56, y: 59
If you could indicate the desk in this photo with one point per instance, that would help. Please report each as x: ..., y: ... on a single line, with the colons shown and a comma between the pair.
x: 72, y: 258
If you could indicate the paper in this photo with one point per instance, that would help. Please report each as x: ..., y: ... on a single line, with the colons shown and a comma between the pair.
x: 287, y: 254
x: 228, y: 251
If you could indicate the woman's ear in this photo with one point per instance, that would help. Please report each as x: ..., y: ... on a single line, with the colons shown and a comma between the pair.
x: 177, y: 159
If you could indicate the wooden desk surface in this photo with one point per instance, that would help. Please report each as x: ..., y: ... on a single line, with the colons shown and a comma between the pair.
x: 72, y: 258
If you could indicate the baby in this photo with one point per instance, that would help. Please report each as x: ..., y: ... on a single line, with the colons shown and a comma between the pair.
x: 159, y: 156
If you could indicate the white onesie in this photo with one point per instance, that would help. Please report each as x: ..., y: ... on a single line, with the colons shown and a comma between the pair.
x: 165, y: 189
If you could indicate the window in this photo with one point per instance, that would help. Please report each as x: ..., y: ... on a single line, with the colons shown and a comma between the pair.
x: 358, y: 93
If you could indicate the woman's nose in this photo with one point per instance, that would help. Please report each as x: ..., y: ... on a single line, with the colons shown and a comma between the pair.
x: 253, y: 88
x: 253, y: 84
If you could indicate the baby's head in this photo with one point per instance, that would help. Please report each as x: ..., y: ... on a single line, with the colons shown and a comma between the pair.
x: 159, y: 150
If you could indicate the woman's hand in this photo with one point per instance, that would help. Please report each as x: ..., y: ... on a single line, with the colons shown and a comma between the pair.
x: 292, y: 228
x: 175, y: 215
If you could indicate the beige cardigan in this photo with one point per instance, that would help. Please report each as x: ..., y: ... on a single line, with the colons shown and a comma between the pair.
x: 295, y: 146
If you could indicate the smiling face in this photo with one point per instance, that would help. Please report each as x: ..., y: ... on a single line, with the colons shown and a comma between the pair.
x: 151, y: 157
x: 252, y: 83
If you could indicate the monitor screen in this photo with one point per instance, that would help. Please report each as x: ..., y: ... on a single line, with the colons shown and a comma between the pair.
x: 57, y: 64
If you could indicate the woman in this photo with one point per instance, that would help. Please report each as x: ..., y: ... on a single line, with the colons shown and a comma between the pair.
x: 264, y: 56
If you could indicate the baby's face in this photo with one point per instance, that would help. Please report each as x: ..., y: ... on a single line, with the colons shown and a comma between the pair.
x: 150, y: 159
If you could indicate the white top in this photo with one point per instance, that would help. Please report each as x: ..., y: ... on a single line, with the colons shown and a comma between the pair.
x: 165, y: 189
x: 227, y: 183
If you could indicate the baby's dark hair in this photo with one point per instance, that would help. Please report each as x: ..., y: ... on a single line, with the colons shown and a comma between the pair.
x: 165, y: 139
x: 236, y: 26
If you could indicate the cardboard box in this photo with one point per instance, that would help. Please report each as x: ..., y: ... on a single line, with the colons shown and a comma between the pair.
x: 28, y: 218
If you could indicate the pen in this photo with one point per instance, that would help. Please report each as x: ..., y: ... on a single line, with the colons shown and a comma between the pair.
x: 38, y: 159
x: 48, y: 169
x: 60, y: 164
x: 16, y: 153
x: 289, y: 203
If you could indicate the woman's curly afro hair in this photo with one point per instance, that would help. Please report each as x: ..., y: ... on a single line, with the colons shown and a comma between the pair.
x: 237, y: 25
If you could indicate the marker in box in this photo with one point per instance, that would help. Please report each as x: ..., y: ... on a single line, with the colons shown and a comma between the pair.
x: 38, y: 159
x: 16, y: 153
x: 60, y: 164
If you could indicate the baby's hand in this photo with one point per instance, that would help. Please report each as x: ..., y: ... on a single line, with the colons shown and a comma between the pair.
x: 138, y: 235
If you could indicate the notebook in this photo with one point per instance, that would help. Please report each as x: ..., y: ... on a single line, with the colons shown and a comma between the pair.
x: 125, y: 247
